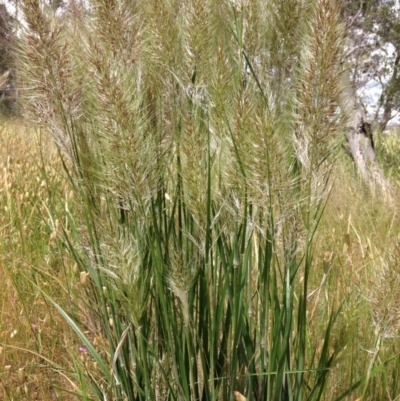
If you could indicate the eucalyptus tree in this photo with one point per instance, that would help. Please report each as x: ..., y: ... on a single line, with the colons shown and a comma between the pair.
x: 7, y: 62
x: 374, y: 54
x: 373, y: 59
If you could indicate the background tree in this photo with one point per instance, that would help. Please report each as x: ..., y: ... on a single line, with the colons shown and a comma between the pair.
x: 374, y: 56
x: 7, y: 62
x: 372, y: 61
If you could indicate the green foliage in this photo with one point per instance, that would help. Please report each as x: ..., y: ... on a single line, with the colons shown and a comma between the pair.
x: 374, y: 44
x: 387, y: 150
x: 198, y: 138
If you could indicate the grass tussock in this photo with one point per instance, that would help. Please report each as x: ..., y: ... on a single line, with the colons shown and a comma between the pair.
x: 205, y: 235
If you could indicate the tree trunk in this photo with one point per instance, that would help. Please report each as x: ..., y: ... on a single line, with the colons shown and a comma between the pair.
x: 360, y: 139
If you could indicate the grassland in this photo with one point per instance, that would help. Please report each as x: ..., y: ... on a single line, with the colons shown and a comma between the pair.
x: 356, y: 266
x: 202, y: 231
x: 37, y: 347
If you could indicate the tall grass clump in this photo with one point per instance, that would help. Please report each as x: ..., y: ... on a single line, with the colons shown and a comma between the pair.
x: 198, y: 138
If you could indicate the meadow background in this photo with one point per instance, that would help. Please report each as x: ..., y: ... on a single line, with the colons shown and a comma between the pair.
x: 180, y: 218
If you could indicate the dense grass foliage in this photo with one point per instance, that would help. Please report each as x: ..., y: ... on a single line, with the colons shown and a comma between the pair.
x: 195, y: 248
x: 356, y: 244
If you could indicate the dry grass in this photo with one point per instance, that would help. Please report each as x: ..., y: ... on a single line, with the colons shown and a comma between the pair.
x: 30, y: 331
x: 358, y: 244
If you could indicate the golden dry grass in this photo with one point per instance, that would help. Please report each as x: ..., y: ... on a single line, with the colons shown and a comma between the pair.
x: 30, y: 331
x: 358, y: 243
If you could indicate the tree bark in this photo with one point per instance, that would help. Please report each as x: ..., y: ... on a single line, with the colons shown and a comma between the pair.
x: 360, y: 139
